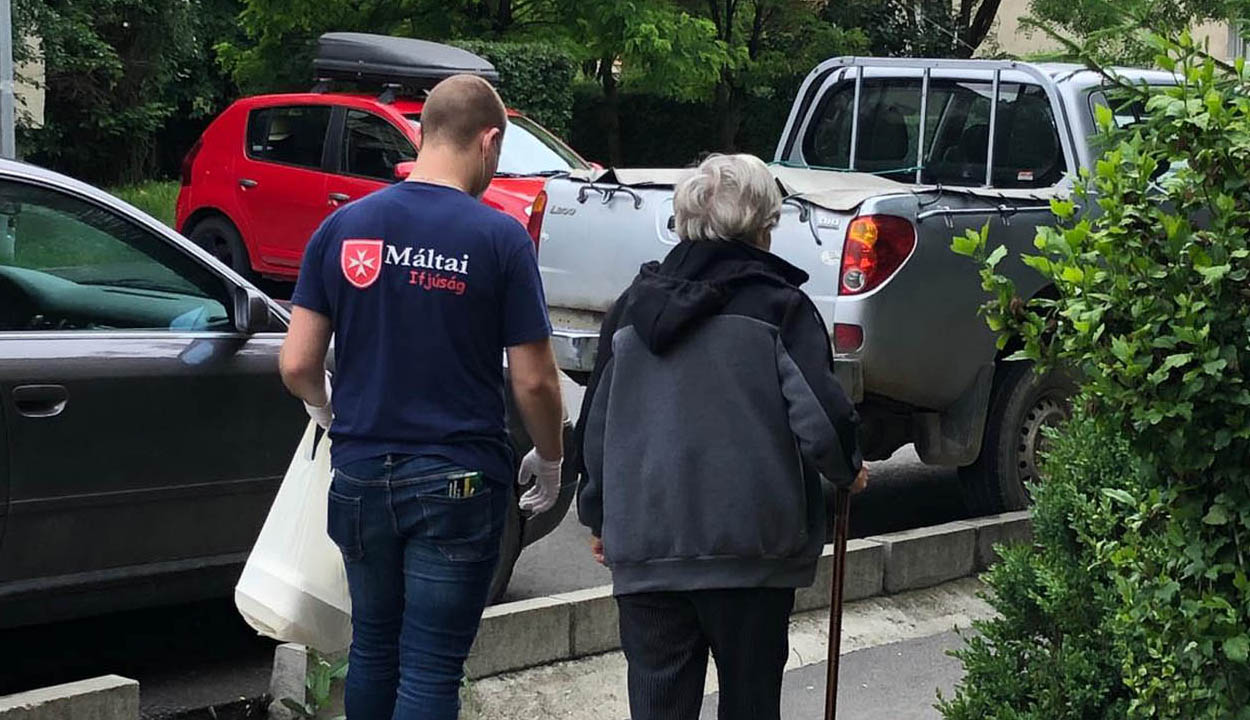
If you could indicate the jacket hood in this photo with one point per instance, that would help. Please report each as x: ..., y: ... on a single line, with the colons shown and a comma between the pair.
x: 670, y: 299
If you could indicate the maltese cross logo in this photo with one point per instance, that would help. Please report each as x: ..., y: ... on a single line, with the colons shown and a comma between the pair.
x: 362, y: 262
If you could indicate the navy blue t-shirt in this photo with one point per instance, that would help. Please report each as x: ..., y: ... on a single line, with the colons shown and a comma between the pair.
x: 425, y: 287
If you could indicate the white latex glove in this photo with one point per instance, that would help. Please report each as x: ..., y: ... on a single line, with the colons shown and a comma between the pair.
x: 545, y: 474
x: 324, y: 414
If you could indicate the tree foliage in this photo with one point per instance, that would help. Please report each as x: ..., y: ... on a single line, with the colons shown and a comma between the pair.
x: 651, y: 45
x: 116, y: 71
x: 768, y: 42
x: 1099, y: 25
x: 1150, y: 304
x: 918, y: 28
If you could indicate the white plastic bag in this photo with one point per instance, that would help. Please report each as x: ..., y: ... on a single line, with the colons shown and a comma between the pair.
x: 293, y: 587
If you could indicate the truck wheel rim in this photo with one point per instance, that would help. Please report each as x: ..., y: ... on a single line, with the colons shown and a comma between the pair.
x: 1048, y: 412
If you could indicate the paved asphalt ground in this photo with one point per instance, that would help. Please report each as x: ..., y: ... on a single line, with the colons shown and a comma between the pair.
x: 869, y: 684
x: 191, y: 655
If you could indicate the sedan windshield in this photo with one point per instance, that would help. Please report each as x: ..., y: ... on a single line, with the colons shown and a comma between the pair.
x: 528, y: 149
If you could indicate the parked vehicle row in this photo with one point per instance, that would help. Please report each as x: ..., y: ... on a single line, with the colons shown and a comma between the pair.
x: 144, y: 428
x: 270, y: 168
x: 883, y: 162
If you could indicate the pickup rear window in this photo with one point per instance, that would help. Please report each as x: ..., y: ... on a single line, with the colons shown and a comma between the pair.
x: 1027, y: 149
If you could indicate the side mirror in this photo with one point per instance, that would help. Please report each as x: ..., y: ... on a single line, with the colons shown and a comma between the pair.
x: 404, y: 169
x: 251, y: 311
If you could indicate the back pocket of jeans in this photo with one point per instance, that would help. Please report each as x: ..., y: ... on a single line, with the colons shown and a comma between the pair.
x: 343, y: 525
x: 461, y: 528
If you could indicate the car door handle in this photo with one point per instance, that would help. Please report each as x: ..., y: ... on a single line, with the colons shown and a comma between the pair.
x: 247, y: 183
x: 40, y: 401
x: 337, y: 197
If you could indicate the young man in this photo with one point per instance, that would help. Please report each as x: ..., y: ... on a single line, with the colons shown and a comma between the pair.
x: 423, y: 288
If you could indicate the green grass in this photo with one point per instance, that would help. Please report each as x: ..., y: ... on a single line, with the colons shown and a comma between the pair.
x: 155, y: 197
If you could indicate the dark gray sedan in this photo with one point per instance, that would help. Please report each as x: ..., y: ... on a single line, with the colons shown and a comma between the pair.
x: 143, y: 426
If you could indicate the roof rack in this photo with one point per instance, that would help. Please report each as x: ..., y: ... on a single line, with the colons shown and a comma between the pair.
x: 394, y: 63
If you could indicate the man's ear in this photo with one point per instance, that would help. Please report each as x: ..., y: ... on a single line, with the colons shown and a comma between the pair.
x: 491, y: 137
x: 420, y: 138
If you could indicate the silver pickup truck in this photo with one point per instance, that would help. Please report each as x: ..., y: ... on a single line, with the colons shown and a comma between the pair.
x: 882, y: 163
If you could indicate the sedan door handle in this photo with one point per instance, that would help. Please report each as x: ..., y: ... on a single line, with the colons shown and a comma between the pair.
x: 337, y: 197
x: 40, y: 401
x: 247, y: 183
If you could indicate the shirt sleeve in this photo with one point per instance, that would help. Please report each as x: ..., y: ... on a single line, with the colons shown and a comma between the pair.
x: 524, y: 304
x: 310, y: 288
x: 822, y: 417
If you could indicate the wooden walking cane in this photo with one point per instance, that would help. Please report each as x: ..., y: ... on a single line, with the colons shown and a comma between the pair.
x: 841, y: 522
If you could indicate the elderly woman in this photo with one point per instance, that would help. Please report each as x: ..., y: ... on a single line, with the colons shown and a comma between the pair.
x: 710, y: 418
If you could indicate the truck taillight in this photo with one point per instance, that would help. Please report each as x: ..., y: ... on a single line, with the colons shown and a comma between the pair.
x: 876, y: 246
x: 535, y: 225
x: 189, y: 161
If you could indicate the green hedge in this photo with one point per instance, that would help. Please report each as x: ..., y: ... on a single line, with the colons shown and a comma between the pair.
x: 659, y: 132
x: 534, y: 78
x: 1053, y: 651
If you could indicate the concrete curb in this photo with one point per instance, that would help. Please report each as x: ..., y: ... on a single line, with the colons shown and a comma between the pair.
x: 544, y: 630
x: 109, y: 697
x: 523, y: 634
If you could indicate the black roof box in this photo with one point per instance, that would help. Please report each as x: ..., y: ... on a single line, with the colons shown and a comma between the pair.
x: 384, y: 59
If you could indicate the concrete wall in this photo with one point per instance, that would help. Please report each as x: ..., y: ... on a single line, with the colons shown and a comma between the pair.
x: 29, y: 88
x: 1010, y: 38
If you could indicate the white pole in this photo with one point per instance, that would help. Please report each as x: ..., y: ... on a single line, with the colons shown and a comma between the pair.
x: 8, y: 104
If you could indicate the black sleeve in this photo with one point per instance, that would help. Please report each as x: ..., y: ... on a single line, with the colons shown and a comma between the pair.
x: 588, y: 435
x: 822, y: 417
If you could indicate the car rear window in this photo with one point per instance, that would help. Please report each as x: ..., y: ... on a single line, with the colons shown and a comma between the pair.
x: 291, y: 135
x: 1027, y: 150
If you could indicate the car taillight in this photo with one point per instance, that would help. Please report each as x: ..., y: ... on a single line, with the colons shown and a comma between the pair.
x: 189, y: 161
x: 847, y: 338
x: 876, y: 246
x: 535, y: 225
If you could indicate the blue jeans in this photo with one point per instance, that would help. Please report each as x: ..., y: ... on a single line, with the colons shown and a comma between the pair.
x: 419, y: 566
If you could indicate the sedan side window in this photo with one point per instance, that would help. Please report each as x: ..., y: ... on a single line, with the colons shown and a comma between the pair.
x: 292, y: 135
x: 69, y: 264
x: 372, y: 147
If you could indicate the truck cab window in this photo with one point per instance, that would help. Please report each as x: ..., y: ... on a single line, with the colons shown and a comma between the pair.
x: 1027, y: 151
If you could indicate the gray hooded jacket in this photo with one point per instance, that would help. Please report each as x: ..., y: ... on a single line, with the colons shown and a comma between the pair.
x: 710, y: 417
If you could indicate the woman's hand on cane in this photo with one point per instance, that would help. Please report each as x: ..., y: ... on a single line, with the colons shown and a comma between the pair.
x: 861, y: 482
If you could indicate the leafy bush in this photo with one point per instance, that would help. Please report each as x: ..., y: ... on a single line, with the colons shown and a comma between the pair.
x: 1052, y: 653
x: 535, y: 78
x: 657, y: 131
x: 1151, y: 306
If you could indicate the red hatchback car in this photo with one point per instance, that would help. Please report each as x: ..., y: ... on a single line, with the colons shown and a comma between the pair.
x: 267, y: 171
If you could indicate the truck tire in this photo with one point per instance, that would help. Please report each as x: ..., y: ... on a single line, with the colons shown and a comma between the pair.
x: 1022, y: 403
x: 218, y: 235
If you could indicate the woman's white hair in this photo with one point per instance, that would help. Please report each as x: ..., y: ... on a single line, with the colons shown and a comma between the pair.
x: 729, y: 197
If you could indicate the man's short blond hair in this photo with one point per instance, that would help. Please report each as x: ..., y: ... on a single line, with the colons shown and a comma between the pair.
x: 459, y: 109
x: 729, y: 197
